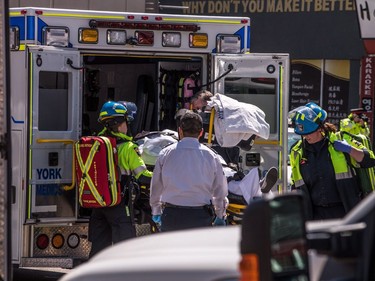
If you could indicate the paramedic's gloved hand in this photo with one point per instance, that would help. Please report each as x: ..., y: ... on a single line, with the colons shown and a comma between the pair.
x: 219, y: 221
x: 342, y: 146
x: 157, y: 219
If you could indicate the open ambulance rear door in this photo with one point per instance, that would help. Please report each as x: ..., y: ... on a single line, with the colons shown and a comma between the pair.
x: 49, y: 205
x: 261, y: 80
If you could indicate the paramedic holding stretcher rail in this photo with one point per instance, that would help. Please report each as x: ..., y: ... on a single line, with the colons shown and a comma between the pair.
x: 113, y: 224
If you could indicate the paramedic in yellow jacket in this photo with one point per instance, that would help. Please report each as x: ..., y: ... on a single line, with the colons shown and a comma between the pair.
x: 319, y: 166
x: 356, y: 123
x: 113, y: 224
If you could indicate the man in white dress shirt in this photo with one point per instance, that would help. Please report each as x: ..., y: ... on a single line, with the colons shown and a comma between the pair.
x: 188, y: 187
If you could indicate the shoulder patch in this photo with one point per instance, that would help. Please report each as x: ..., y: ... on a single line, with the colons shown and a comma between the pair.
x: 136, y: 149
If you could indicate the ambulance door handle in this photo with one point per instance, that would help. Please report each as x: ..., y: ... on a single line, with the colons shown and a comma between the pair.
x: 70, y: 63
x: 64, y: 141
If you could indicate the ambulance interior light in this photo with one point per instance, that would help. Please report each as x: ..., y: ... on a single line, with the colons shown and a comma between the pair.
x: 228, y: 44
x: 116, y: 37
x: 171, y: 39
x: 198, y: 40
x: 88, y: 35
x: 56, y: 36
x: 14, y: 38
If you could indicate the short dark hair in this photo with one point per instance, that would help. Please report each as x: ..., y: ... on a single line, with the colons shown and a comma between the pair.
x: 204, y: 94
x: 191, y: 124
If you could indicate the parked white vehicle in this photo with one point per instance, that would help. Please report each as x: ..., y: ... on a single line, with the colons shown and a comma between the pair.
x: 209, y: 254
x: 281, y: 245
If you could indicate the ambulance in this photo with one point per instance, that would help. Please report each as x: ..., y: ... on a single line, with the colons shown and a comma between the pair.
x: 66, y: 63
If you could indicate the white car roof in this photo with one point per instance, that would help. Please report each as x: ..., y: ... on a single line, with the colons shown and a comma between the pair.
x: 201, y: 254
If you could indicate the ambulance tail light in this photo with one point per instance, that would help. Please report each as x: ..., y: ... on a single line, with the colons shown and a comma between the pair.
x: 228, y: 44
x: 73, y: 240
x: 56, y: 36
x: 57, y: 241
x: 42, y: 241
x: 198, y: 40
x: 116, y: 37
x: 14, y: 38
x: 88, y: 35
x: 171, y: 39
x: 249, y: 267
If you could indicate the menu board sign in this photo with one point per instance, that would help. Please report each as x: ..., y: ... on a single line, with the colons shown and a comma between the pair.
x: 305, y: 82
x: 336, y: 89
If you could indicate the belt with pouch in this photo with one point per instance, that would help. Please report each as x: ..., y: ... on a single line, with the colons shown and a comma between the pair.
x: 209, y: 208
x: 169, y: 205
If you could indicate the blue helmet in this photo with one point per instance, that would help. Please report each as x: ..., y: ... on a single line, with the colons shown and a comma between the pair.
x: 306, y: 121
x: 320, y: 112
x: 131, y: 110
x: 112, y: 111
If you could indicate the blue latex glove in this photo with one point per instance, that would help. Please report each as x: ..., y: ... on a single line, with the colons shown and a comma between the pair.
x: 156, y: 219
x: 219, y: 221
x: 342, y: 146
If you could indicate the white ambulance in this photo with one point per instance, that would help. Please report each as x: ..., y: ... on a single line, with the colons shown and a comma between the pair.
x: 66, y: 63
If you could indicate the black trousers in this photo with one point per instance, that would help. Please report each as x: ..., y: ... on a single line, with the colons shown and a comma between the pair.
x: 184, y: 218
x: 108, y: 226
x: 331, y: 212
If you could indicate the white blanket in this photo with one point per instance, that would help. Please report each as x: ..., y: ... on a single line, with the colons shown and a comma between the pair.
x: 248, y: 187
x: 236, y: 121
x: 151, y: 145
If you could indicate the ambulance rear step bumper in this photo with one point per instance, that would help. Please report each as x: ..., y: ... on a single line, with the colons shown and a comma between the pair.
x: 67, y: 263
